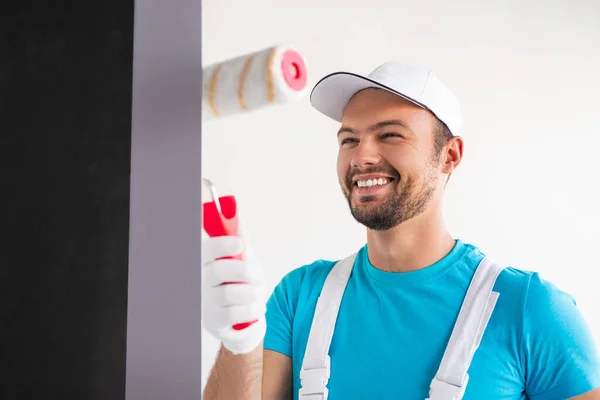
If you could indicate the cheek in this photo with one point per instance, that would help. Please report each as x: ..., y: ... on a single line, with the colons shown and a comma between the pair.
x: 342, y: 166
x: 403, y: 162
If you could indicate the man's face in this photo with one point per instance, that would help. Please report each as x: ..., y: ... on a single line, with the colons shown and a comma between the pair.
x: 386, y: 165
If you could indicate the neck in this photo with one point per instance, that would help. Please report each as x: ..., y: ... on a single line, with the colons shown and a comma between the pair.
x: 414, y: 244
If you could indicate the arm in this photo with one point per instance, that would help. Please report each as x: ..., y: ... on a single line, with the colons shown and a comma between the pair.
x: 246, y: 376
x: 557, y: 345
x: 237, y: 371
x: 278, y: 342
x: 235, y: 376
x: 277, y: 376
x: 593, y: 395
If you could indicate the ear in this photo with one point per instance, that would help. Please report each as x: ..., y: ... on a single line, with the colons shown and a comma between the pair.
x: 453, y: 154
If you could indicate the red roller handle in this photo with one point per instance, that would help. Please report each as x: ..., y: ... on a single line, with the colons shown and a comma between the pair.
x: 224, y: 223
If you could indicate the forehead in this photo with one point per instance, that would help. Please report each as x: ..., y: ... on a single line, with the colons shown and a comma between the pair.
x: 371, y: 106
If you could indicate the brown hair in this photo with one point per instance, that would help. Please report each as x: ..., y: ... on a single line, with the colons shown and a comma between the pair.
x: 441, y: 137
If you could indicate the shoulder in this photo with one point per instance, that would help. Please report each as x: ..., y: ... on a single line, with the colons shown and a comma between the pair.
x: 515, y: 281
x: 539, y: 304
x: 304, y: 283
x: 561, y: 355
x: 300, y: 285
x: 527, y: 300
x: 527, y: 284
x: 288, y: 296
x: 538, y: 294
x: 512, y: 282
x: 313, y: 273
x: 308, y: 274
x: 537, y: 299
x: 546, y: 303
x: 555, y: 344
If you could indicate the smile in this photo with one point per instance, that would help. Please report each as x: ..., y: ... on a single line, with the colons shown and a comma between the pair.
x: 372, y: 182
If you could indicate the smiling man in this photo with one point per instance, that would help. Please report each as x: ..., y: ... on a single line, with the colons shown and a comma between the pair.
x: 413, y: 314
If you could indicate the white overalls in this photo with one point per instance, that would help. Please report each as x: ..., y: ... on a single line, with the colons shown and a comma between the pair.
x: 451, y: 379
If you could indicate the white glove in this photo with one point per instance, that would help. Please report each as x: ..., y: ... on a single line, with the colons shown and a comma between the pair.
x: 226, y: 305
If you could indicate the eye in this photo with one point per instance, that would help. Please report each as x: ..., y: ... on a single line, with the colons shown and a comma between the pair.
x: 347, y: 141
x: 390, y: 134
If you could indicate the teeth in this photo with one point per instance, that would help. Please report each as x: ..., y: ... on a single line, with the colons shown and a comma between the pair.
x: 372, y: 182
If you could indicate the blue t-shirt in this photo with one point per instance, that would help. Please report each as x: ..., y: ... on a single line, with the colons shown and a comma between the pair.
x: 392, y: 330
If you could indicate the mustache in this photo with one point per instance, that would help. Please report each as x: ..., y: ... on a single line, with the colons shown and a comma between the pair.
x: 371, y: 170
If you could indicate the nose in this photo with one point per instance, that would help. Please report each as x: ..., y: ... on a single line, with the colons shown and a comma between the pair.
x: 365, y: 154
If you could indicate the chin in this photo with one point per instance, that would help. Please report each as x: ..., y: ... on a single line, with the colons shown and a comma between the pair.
x: 367, y: 200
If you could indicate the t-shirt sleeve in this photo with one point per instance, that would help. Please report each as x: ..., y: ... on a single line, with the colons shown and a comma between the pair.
x: 280, y: 313
x: 561, y: 357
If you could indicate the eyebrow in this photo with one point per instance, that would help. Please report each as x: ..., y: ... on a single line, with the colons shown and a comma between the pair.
x: 377, y: 126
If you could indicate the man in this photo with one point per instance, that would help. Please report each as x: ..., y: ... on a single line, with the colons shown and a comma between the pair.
x: 415, y: 313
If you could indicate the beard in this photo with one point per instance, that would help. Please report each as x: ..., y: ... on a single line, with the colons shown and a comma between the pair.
x: 404, y: 201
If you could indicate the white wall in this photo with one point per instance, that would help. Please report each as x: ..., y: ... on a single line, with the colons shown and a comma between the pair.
x: 528, y: 76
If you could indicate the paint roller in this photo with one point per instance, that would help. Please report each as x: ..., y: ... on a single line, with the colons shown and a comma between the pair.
x: 271, y: 76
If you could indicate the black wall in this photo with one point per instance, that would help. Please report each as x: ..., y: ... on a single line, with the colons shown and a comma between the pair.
x: 65, y: 133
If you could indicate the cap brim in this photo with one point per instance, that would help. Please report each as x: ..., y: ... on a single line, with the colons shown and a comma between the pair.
x: 333, y: 92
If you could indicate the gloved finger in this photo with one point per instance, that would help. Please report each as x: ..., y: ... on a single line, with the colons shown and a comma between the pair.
x: 244, y: 340
x: 236, y: 294
x: 220, y: 246
x: 218, y: 272
x: 232, y: 315
x: 248, y: 253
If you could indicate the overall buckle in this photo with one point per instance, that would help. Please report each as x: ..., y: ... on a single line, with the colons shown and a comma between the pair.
x: 314, y: 381
x: 440, y: 390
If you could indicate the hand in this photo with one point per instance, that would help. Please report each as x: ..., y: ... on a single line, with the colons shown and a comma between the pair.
x: 224, y: 305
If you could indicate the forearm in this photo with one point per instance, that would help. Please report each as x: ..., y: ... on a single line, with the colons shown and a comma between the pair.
x: 236, y: 376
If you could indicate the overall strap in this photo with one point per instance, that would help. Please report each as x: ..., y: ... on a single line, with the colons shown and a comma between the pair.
x: 315, y: 371
x: 451, y: 379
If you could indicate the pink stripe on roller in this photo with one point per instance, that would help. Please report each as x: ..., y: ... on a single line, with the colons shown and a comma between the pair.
x: 294, y: 70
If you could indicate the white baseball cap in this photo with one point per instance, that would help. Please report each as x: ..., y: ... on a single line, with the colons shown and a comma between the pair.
x: 416, y: 84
